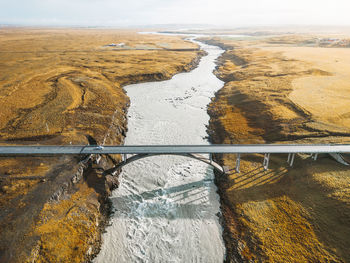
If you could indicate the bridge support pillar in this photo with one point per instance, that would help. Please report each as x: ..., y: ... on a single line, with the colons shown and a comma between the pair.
x: 238, y: 163
x: 314, y: 156
x: 266, y: 161
x: 98, y: 158
x: 290, y: 159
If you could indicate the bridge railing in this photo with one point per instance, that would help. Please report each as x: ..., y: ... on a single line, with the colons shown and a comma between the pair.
x: 173, y: 149
x: 239, y: 149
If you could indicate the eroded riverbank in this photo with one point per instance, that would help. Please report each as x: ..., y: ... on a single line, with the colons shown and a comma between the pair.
x: 283, y: 214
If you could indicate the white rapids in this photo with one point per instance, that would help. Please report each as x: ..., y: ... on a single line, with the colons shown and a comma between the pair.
x: 166, y: 207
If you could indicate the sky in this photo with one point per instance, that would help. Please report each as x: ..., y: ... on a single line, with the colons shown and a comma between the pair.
x: 153, y: 12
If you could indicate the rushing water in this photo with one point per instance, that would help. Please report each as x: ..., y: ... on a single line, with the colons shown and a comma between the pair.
x: 166, y: 207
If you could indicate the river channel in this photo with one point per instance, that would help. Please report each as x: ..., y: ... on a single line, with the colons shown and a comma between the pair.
x: 166, y: 207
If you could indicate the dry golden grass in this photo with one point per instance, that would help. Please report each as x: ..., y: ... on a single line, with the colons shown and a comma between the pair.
x: 314, y: 92
x: 56, y: 87
x: 49, y: 77
x: 284, y: 215
x: 65, y: 232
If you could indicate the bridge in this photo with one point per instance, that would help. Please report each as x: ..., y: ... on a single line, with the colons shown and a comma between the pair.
x: 137, y: 152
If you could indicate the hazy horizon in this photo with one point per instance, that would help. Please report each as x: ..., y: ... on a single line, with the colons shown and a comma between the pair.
x: 156, y: 12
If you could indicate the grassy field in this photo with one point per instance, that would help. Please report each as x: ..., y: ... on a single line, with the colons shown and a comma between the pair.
x: 284, y: 92
x: 64, y: 86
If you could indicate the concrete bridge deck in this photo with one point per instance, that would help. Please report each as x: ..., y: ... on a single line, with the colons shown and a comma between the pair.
x: 193, y: 151
x: 175, y: 149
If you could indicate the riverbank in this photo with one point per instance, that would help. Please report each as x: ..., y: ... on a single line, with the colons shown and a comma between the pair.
x: 60, y: 86
x: 283, y: 92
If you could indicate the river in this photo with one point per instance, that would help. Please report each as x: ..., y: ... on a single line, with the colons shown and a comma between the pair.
x: 166, y: 207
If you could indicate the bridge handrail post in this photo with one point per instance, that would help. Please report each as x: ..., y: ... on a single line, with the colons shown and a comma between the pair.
x: 266, y: 161
x: 238, y: 163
